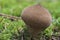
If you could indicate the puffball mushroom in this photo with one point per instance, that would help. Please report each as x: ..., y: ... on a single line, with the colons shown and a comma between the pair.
x: 37, y: 18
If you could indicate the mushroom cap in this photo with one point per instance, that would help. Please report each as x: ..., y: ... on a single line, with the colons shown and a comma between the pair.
x: 37, y: 17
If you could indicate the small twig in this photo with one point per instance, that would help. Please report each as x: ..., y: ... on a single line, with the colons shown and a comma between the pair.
x: 10, y: 17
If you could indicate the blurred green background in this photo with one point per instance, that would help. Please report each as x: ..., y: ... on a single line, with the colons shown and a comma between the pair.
x: 10, y: 29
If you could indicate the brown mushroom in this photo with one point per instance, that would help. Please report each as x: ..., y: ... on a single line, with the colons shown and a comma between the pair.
x: 37, y: 18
